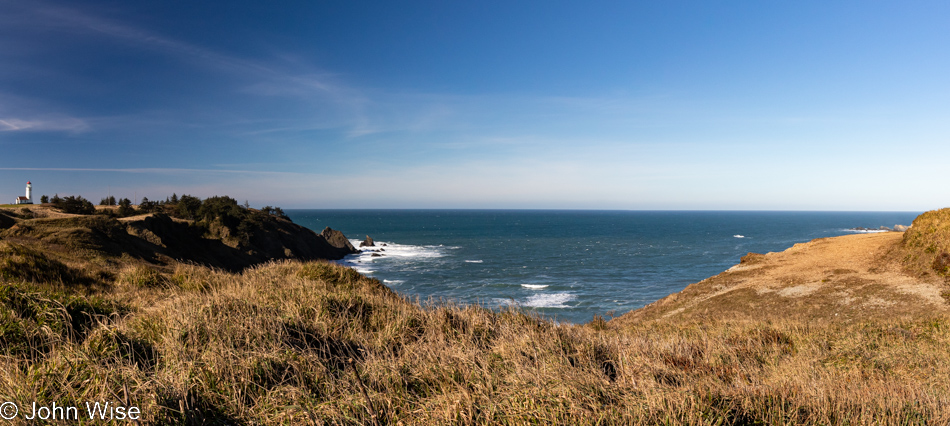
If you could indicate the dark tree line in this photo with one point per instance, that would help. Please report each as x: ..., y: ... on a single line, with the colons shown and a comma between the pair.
x: 72, y: 204
x: 224, y: 209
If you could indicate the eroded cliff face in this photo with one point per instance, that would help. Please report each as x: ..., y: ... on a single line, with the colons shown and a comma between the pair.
x: 160, y: 239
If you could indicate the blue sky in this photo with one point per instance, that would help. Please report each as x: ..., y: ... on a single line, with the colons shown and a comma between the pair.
x: 590, y: 105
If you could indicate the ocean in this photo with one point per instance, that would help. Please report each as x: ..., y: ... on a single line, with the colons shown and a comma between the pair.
x: 568, y: 265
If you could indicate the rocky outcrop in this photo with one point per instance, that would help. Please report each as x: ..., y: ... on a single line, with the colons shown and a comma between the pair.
x: 882, y: 228
x: 338, y: 241
x: 368, y: 242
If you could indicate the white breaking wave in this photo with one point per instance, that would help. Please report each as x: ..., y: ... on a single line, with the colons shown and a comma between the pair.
x: 739, y: 236
x: 867, y: 231
x: 393, y: 281
x: 473, y: 261
x: 535, y: 286
x: 556, y: 300
x: 394, y: 250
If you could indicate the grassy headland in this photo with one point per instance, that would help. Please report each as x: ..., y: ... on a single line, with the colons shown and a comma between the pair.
x: 309, y: 342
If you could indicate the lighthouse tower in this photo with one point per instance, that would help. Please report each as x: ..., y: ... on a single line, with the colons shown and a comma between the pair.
x: 29, y: 195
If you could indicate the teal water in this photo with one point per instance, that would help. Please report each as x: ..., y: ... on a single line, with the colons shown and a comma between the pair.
x: 569, y: 265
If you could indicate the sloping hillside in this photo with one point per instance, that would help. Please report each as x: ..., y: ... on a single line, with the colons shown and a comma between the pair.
x: 840, y: 279
x: 159, y: 239
x: 925, y: 248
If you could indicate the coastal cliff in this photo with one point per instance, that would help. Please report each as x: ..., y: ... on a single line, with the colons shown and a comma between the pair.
x: 839, y: 279
x: 163, y: 241
x: 846, y: 278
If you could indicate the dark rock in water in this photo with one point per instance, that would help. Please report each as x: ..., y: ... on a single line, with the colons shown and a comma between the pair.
x: 384, y: 244
x: 882, y: 228
x: 338, y: 241
x: 368, y: 242
x: 376, y: 255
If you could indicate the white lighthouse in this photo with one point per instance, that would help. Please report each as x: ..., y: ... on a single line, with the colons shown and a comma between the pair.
x: 29, y: 195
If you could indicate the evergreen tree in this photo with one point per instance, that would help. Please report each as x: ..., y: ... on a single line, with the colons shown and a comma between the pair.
x: 73, y: 204
x: 188, y: 206
x: 147, y: 206
x: 125, y: 207
x: 44, y: 199
x: 273, y: 211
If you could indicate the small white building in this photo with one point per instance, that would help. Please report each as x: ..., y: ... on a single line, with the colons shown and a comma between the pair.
x: 29, y: 195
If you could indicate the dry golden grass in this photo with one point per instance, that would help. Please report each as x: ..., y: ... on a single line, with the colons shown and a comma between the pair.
x: 316, y: 343
x: 925, y: 248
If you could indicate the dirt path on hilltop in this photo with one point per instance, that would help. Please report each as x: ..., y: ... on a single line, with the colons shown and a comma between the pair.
x: 845, y: 278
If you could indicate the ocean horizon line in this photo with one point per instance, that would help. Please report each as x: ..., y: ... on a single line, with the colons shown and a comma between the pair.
x: 449, y: 209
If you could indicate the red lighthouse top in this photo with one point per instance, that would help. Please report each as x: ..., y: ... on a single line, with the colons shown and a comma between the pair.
x: 28, y: 182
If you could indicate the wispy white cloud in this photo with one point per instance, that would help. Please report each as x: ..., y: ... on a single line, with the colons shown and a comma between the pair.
x: 324, y: 100
x: 56, y: 17
x: 271, y: 77
x: 67, y: 124
x: 154, y: 170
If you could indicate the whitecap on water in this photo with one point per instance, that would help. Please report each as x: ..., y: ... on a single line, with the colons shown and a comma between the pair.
x: 556, y: 300
x: 867, y: 231
x: 739, y: 236
x: 535, y: 286
x: 473, y: 261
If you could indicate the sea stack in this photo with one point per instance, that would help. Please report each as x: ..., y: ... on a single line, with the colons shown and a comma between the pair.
x: 368, y: 242
x: 338, y: 240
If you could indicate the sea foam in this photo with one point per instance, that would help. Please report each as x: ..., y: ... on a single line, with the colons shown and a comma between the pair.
x: 406, y: 251
x: 556, y: 300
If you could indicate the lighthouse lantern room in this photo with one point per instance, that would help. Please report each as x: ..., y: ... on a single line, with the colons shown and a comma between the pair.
x: 29, y: 195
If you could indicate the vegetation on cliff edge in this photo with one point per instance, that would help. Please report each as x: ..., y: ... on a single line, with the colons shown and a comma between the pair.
x: 926, y: 246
